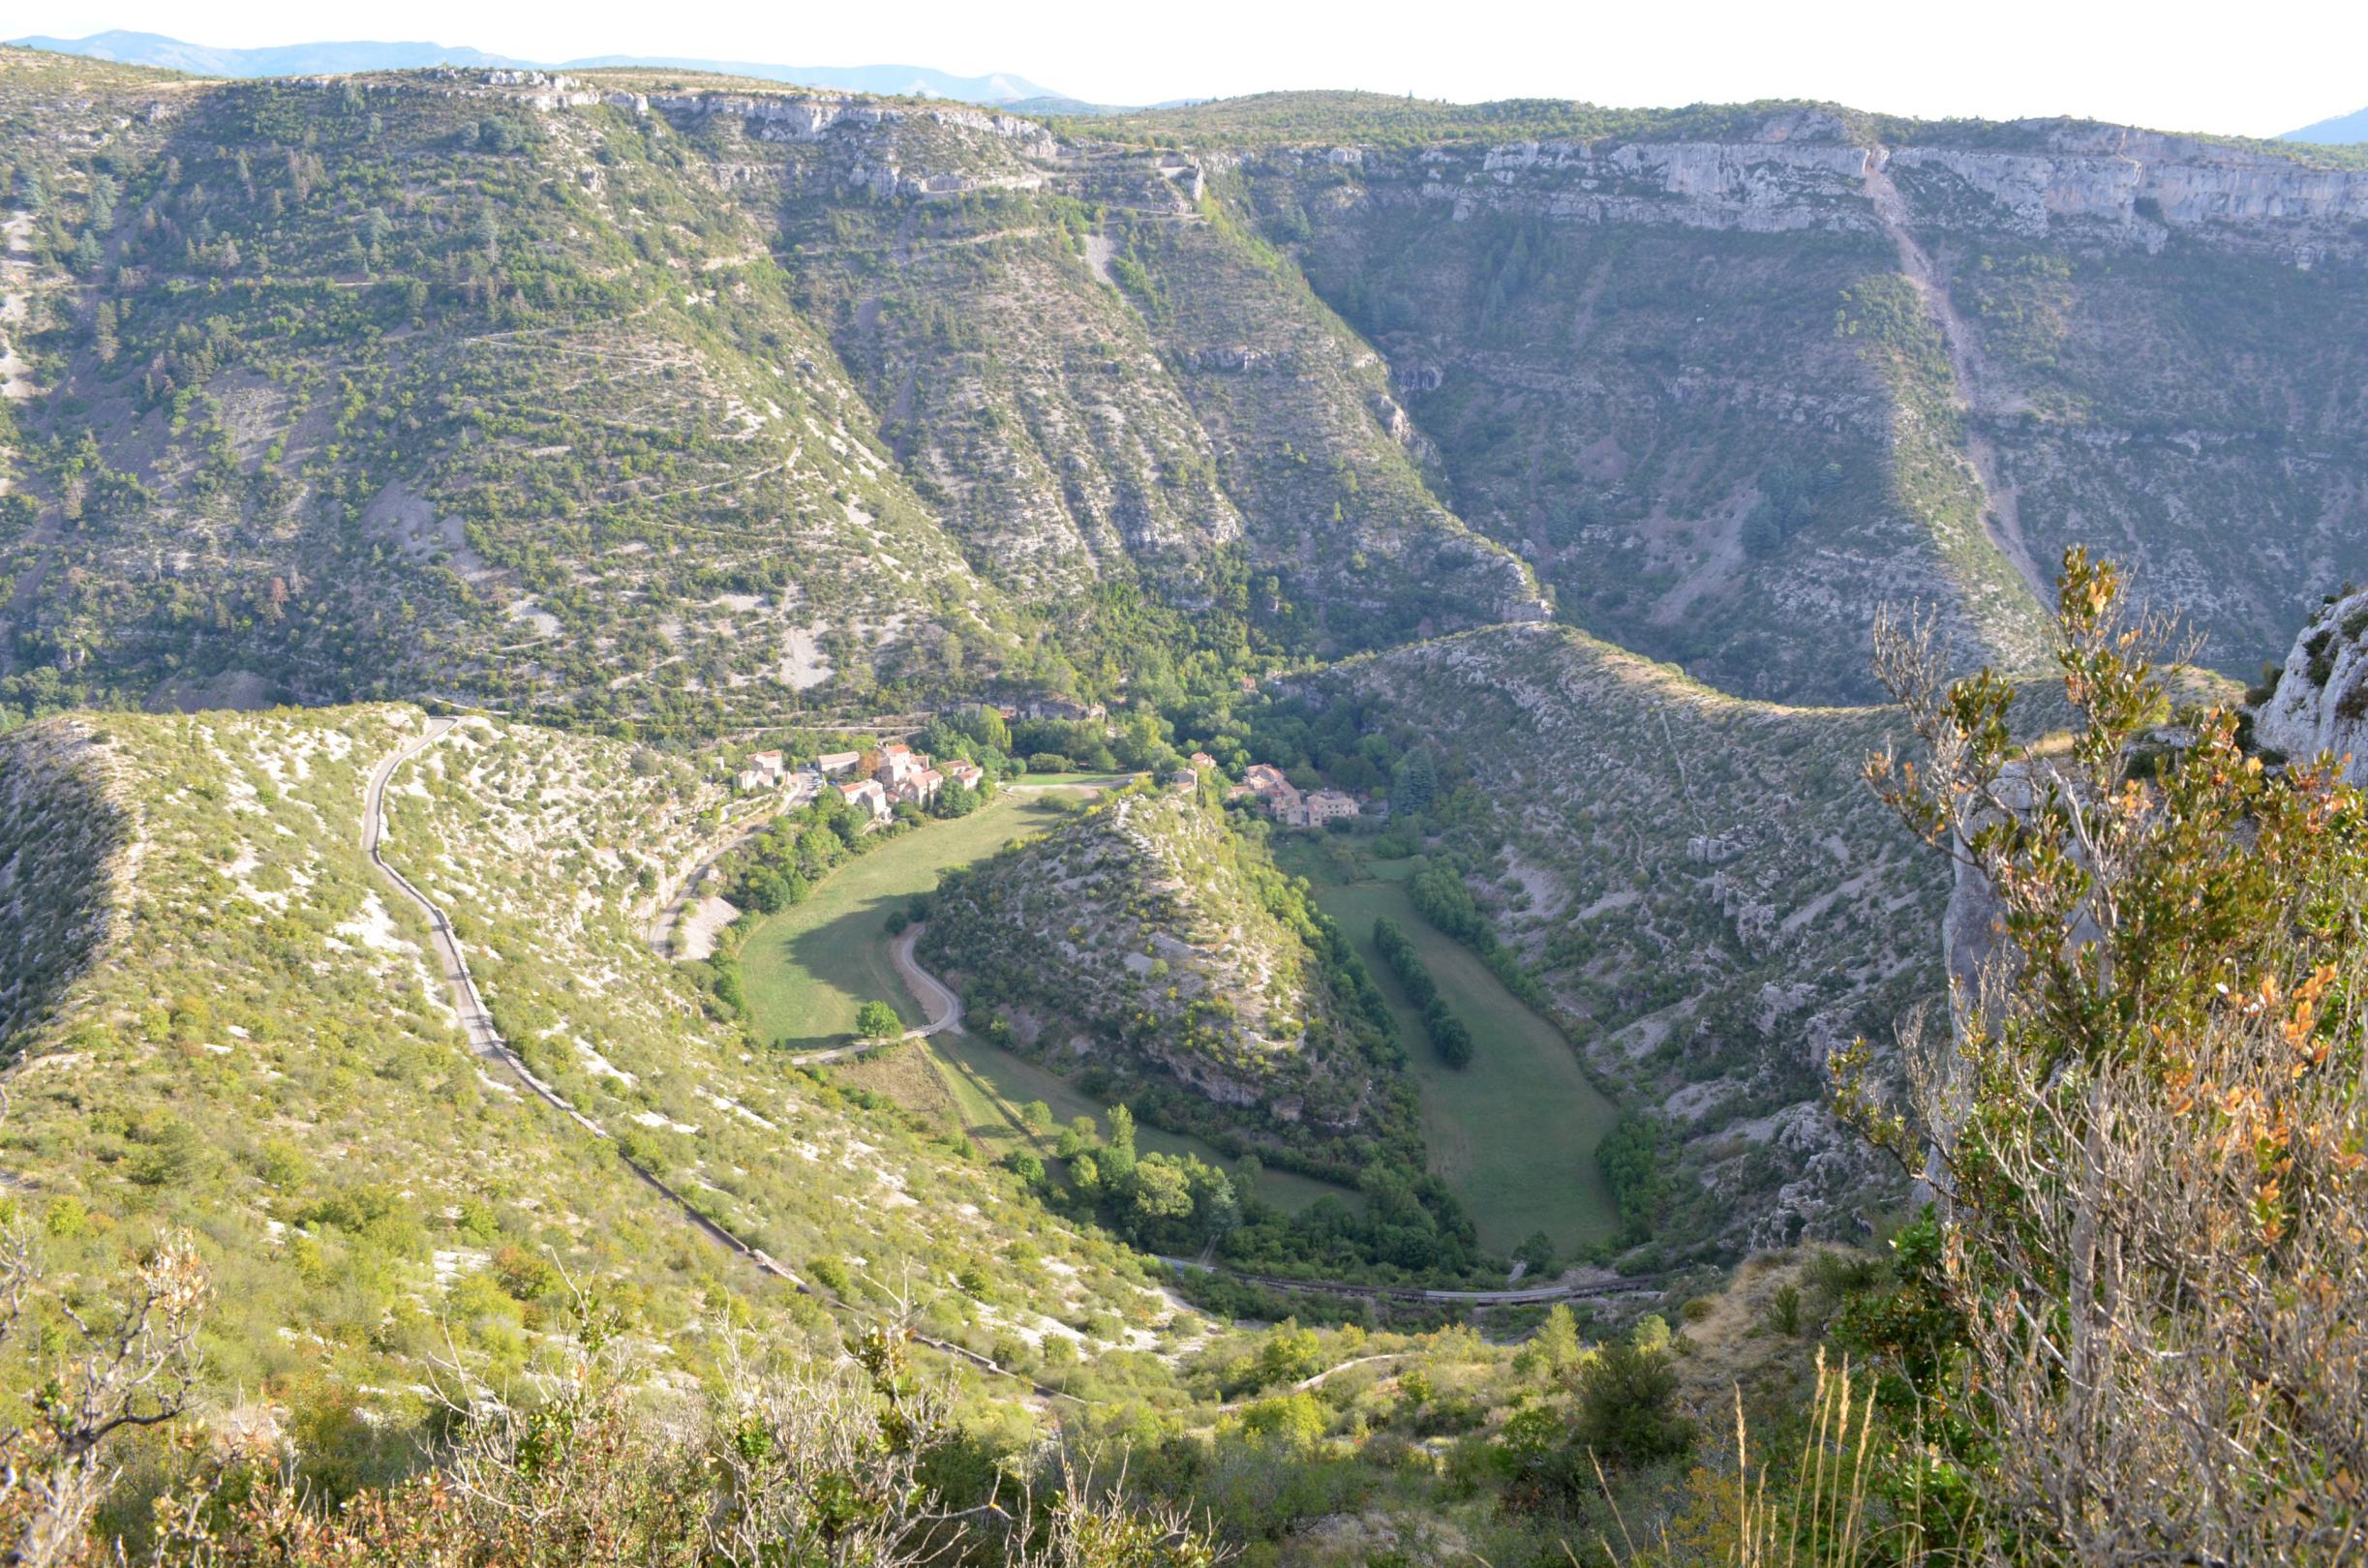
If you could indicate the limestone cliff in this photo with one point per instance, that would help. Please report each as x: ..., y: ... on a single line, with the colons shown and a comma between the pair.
x: 1727, y: 392
x: 2319, y: 706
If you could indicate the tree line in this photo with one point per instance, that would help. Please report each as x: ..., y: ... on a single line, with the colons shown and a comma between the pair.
x: 1449, y: 1037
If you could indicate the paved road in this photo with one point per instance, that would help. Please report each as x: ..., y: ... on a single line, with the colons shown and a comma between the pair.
x: 487, y: 1042
x: 671, y: 903
x: 937, y: 1000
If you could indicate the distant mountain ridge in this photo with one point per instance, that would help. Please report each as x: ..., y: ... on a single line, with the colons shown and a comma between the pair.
x: 2341, y: 129
x: 308, y: 59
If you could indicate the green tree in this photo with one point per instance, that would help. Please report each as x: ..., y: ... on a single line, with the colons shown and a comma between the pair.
x: 1537, y: 1251
x: 1288, y: 1354
x: 1161, y: 1192
x: 1627, y: 1407
x: 1119, y: 1149
x: 1553, y: 1349
x: 877, y: 1020
x: 2146, y: 1133
x: 1413, y: 784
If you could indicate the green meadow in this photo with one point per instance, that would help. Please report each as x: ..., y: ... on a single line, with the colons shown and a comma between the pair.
x: 807, y: 968
x: 1514, y: 1133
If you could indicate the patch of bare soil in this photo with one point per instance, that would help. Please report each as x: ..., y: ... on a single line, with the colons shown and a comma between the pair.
x: 232, y: 690
x: 695, y: 938
x: 409, y: 523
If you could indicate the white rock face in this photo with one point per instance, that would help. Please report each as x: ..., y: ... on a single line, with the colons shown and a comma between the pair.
x: 2125, y: 186
x: 2307, y: 716
x: 804, y: 117
x: 2146, y: 185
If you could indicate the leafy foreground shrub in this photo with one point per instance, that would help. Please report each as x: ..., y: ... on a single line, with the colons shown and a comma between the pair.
x: 791, y: 1466
x: 2141, y: 1331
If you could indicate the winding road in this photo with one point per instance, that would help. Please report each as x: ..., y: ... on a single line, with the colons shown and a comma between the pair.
x: 937, y: 998
x: 486, y: 1041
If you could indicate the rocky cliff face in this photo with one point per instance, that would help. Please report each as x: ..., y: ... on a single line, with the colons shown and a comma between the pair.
x: 2140, y: 189
x: 1729, y: 394
x: 1809, y: 170
x: 2319, y: 706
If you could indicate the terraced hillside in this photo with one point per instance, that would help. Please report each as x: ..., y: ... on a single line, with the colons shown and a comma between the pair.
x: 1729, y: 378
x: 653, y: 397
x: 553, y: 372
x: 1703, y: 885
x: 258, y: 1047
x: 1146, y: 940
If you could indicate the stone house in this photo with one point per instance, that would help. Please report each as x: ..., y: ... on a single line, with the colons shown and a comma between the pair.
x: 1281, y: 795
x: 1328, y: 805
x: 918, y: 785
x: 868, y: 797
x: 765, y: 771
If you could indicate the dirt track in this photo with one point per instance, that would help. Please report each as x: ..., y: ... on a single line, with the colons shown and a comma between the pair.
x: 936, y: 999
x: 487, y: 1042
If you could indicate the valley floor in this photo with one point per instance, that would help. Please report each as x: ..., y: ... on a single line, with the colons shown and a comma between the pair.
x: 807, y: 968
x: 1514, y: 1132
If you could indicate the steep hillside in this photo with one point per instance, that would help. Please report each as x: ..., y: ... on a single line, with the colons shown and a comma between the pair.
x: 1083, y: 360
x: 326, y: 365
x: 552, y: 369
x: 1703, y: 885
x: 261, y: 1047
x: 1147, y: 939
x: 61, y: 836
x: 656, y: 396
x: 1730, y: 379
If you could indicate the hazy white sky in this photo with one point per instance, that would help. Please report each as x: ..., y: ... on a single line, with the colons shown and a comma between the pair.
x: 2175, y: 65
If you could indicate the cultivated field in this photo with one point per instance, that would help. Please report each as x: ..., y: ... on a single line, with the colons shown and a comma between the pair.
x: 1515, y: 1131
x: 807, y: 968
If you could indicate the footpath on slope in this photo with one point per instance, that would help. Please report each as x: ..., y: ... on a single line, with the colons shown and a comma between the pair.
x: 486, y: 1041
x: 1971, y: 384
x: 1520, y: 1296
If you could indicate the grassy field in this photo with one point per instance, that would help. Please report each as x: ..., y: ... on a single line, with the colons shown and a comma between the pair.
x: 807, y: 968
x: 1514, y: 1133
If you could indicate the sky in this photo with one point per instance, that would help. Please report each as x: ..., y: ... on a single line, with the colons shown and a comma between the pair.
x: 2172, y: 65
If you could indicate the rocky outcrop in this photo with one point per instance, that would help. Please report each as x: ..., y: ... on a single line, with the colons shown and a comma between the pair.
x: 804, y: 117
x: 1804, y: 172
x: 2320, y: 704
x: 2138, y: 187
